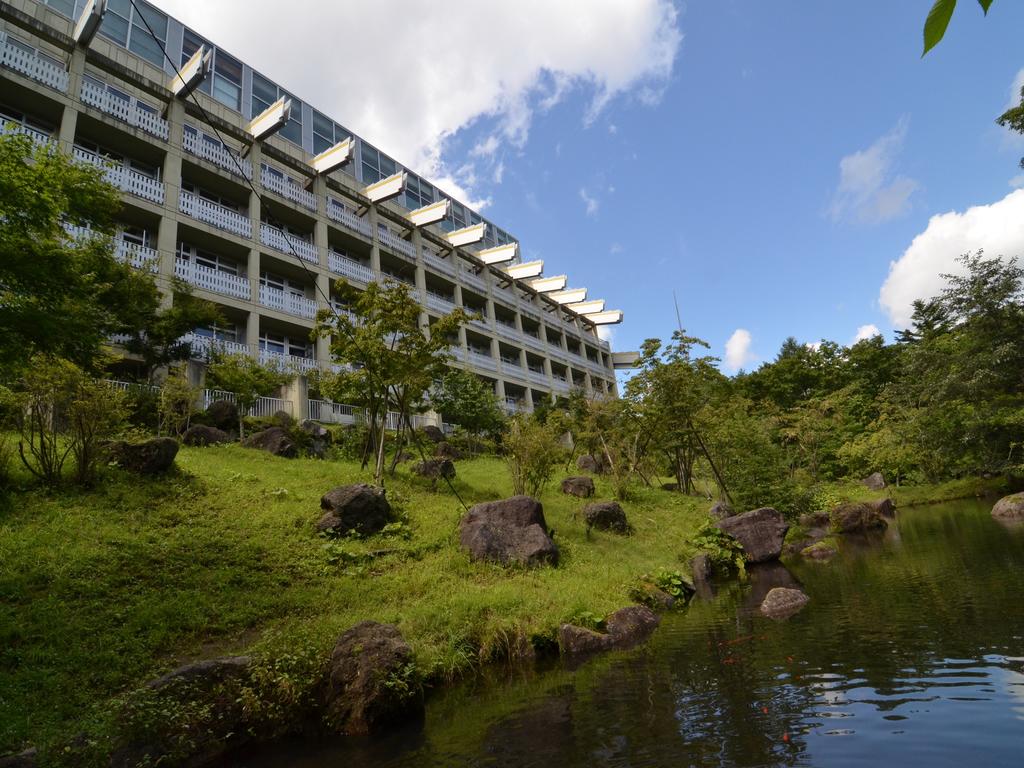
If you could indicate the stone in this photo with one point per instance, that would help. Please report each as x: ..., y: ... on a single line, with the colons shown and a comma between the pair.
x: 606, y: 516
x: 885, y: 507
x: 760, y: 532
x: 624, y: 629
x: 201, y: 435
x: 446, y: 450
x: 274, y: 440
x: 701, y: 569
x: 361, y: 508
x: 316, y: 430
x: 433, y: 434
x: 26, y: 759
x: 587, y: 463
x: 152, y: 457
x: 819, y: 551
x: 652, y: 596
x: 856, y: 517
x: 782, y: 602
x: 204, y: 673
x: 508, y: 531
x: 580, y: 486
x: 1009, y: 507
x: 875, y: 481
x: 670, y: 487
x: 435, y: 469
x: 370, y: 681
x: 721, y: 510
x: 283, y: 419
x: 223, y: 414
x: 819, y: 519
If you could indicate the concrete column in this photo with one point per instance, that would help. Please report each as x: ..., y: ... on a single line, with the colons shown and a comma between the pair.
x: 253, y: 270
x: 528, y: 399
x: 67, y: 129
x: 69, y: 119
x: 255, y: 212
x: 375, y: 248
x: 252, y: 331
x: 322, y: 350
x: 297, y: 391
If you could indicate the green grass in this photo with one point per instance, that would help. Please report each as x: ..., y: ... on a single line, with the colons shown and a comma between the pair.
x: 102, y: 590
x: 913, y: 495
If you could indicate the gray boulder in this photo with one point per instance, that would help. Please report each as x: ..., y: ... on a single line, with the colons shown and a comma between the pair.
x: 152, y: 457
x: 283, y: 419
x: 580, y: 486
x: 435, y: 469
x: 223, y: 414
x: 315, y: 430
x: 874, y: 481
x: 819, y: 551
x: 721, y: 510
x: 201, y: 435
x: 760, y: 532
x: 587, y: 463
x: 433, y: 434
x: 782, y: 602
x: 274, y: 440
x: 361, y: 508
x: 1009, y: 507
x: 856, y: 517
x: 701, y: 569
x: 26, y: 759
x: 370, y: 682
x: 884, y: 507
x: 509, y: 531
x: 606, y: 516
x: 624, y: 629
x: 446, y: 450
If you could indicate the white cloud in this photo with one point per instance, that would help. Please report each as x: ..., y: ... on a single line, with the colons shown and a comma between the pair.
x: 865, y: 332
x: 1012, y: 139
x: 869, y: 188
x: 814, y: 346
x: 737, y: 350
x: 1017, y: 181
x: 591, y: 202
x: 997, y: 228
x: 409, y: 77
x: 606, y: 333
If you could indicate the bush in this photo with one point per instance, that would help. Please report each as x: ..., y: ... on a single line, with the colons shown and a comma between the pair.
x: 724, y: 552
x: 177, y: 403
x: 533, y: 453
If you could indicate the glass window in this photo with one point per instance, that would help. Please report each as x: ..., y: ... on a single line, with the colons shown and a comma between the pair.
x: 227, y: 80
x: 115, y: 23
x: 323, y: 132
x: 67, y: 7
x: 189, y: 45
x: 264, y: 93
x: 293, y: 128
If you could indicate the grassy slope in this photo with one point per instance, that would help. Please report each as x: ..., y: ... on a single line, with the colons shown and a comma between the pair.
x: 103, y: 590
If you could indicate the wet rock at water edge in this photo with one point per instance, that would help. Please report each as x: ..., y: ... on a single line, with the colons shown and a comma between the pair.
x: 884, y: 507
x: 819, y: 519
x: 581, y: 486
x: 875, y: 481
x: 1009, y: 507
x: 223, y: 414
x: 201, y: 435
x: 361, y: 508
x: 760, y: 532
x: 624, y: 629
x: 819, y: 551
x: 273, y: 440
x: 721, y: 510
x: 701, y: 569
x: 371, y: 681
x: 587, y: 463
x: 435, y: 469
x: 782, y: 603
x: 152, y: 457
x: 606, y: 516
x: 856, y: 517
x: 509, y: 531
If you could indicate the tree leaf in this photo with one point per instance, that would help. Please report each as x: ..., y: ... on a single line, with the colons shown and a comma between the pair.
x: 936, y: 23
x: 985, y: 5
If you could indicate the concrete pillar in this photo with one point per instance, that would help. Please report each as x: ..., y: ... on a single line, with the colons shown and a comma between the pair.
x: 375, y: 248
x: 462, y: 329
x: 322, y: 350
x: 253, y: 270
x: 297, y: 391
x: 170, y: 174
x: 252, y: 331
x: 69, y: 119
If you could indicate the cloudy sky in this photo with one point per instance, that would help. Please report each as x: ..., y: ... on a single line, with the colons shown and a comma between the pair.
x: 786, y: 168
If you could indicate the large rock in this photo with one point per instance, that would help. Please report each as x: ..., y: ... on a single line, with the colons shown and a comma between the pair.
x: 273, y: 440
x: 874, y: 481
x: 283, y: 419
x: 781, y: 603
x: 760, y: 532
x: 508, y: 531
x: 580, y: 486
x: 1009, y: 507
x: 151, y: 457
x: 316, y: 430
x: 26, y: 759
x: 624, y: 629
x: 435, y: 469
x: 588, y: 463
x: 606, y: 516
x: 721, y: 510
x: 446, y: 450
x: 201, y: 435
x: 223, y: 414
x: 856, y: 517
x: 433, y: 433
x: 819, y: 551
x: 701, y: 568
x: 370, y: 681
x: 361, y: 508
x: 885, y: 507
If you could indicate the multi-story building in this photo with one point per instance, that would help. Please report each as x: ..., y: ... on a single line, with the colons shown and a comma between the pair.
x: 251, y: 223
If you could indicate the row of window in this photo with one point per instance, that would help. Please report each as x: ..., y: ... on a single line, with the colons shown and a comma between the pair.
x: 276, y: 343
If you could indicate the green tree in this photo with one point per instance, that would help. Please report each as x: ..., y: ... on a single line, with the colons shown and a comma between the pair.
x: 248, y: 379
x: 532, y: 452
x: 466, y: 400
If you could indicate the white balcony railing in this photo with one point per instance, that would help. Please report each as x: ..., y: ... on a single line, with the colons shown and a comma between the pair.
x: 285, y: 187
x: 203, y: 347
x: 283, y: 301
x: 138, y: 184
x: 439, y: 303
x: 217, y: 154
x: 288, y: 362
x: 139, y: 256
x: 335, y: 413
x: 281, y: 241
x: 31, y: 64
x: 197, y: 207
x: 481, y: 360
x: 343, y: 265
x: 470, y: 278
x: 127, y: 111
x: 438, y: 264
x: 213, y: 279
x: 533, y: 342
x: 392, y: 241
x: 339, y: 213
x: 39, y: 138
x: 509, y: 332
x: 536, y: 377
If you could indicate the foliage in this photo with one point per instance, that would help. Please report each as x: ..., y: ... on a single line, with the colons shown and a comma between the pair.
x: 465, y: 399
x: 672, y: 583
x: 724, y: 552
x: 532, y: 453
x: 177, y: 403
x: 938, y: 20
x: 95, y: 414
x: 248, y: 379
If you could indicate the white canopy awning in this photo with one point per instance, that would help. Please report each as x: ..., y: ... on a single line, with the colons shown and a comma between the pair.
x: 334, y: 157
x: 569, y: 296
x: 429, y: 214
x: 193, y: 73
x: 547, y: 284
x: 386, y: 188
x: 625, y: 359
x: 610, y: 317
x: 526, y: 270
x: 587, y: 307
x: 271, y: 120
x: 498, y: 255
x: 89, y: 22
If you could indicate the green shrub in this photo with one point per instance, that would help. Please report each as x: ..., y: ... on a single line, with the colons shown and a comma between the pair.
x: 724, y: 552
x: 532, y: 452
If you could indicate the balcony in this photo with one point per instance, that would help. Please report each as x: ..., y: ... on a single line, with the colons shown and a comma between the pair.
x: 288, y: 362
x: 126, y: 179
x: 216, y: 153
x: 284, y: 186
x: 509, y: 332
x: 396, y: 244
x: 534, y: 343
x: 437, y: 264
x: 126, y: 111
x: 288, y: 243
x: 350, y: 268
x: 139, y: 256
x: 204, y: 347
x: 480, y: 360
x: 199, y: 208
x: 286, y: 302
x: 537, y: 377
x: 439, y: 303
x: 29, y: 63
x: 470, y: 278
x: 213, y: 279
x: 39, y: 138
x: 339, y: 213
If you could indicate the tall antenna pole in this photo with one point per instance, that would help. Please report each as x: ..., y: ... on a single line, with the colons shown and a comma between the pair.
x: 679, y: 320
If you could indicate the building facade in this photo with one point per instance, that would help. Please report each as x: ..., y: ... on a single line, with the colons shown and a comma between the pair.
x: 269, y: 256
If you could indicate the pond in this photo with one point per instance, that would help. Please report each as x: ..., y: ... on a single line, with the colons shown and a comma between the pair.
x: 910, y: 653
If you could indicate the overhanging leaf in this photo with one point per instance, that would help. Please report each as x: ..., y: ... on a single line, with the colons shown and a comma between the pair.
x: 985, y: 5
x: 937, y: 22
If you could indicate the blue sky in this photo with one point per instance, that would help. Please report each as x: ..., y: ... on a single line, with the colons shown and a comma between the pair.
x: 645, y: 147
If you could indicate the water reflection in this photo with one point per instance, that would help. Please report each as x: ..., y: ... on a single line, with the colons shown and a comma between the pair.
x: 910, y: 653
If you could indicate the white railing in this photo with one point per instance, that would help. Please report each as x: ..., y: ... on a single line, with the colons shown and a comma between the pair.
x: 287, y: 302
x: 286, y: 187
x: 482, y: 324
x: 213, y: 279
x: 537, y: 378
x: 281, y: 241
x: 99, y: 97
x: 33, y: 65
x: 289, y: 362
x: 482, y: 361
x: 343, y: 265
x: 197, y: 207
x: 203, y: 347
x: 339, y: 213
x: 139, y: 256
x: 335, y: 413
x: 123, y: 178
x: 509, y: 332
x: 439, y: 303
x: 396, y: 244
x: 39, y: 138
x: 438, y: 264
x: 534, y: 342
x: 263, y: 407
x: 469, y: 278
x: 217, y: 154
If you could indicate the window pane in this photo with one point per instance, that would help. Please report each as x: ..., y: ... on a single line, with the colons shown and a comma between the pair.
x: 323, y: 125
x: 227, y: 93
x: 228, y: 68
x: 293, y: 130
x: 143, y: 44
x: 115, y: 27
x: 264, y: 93
x: 321, y: 144
x: 155, y: 19
x: 67, y: 7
